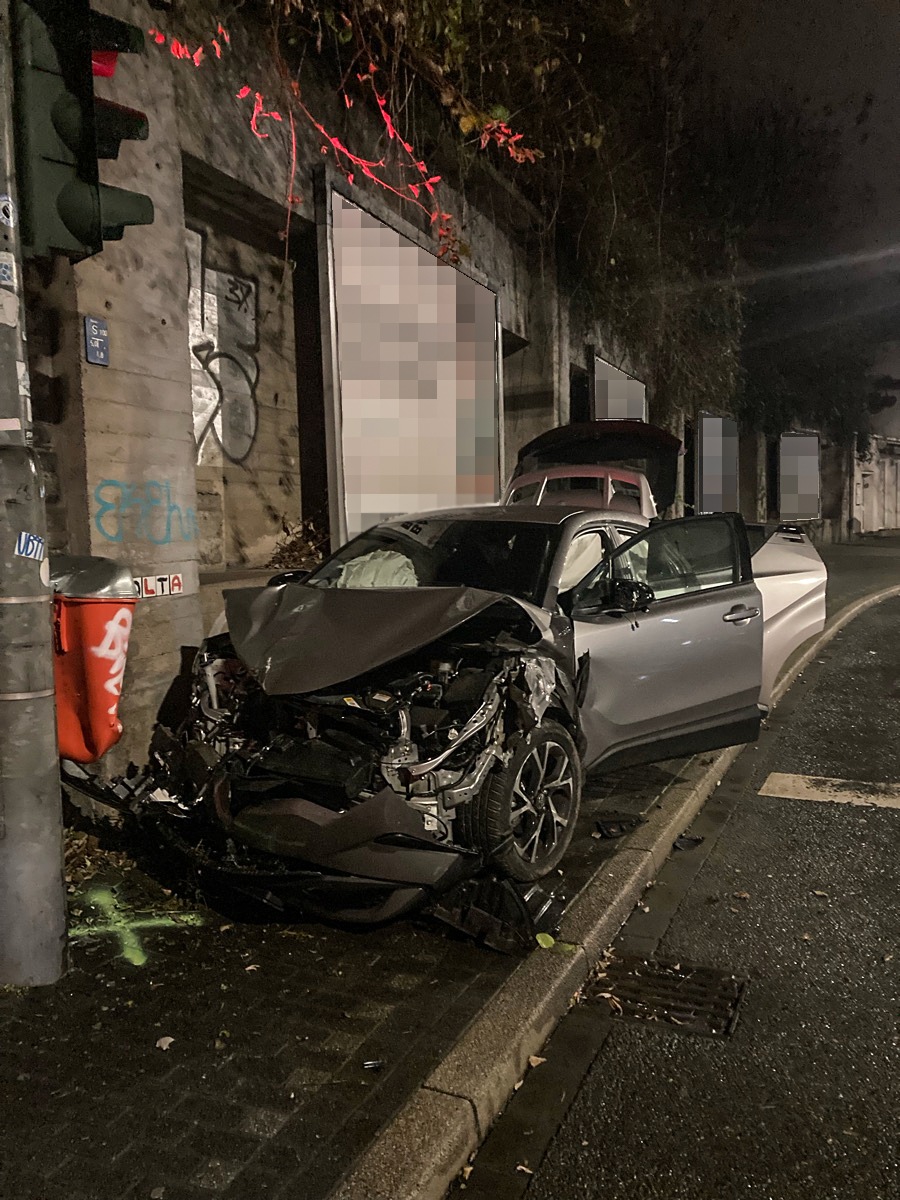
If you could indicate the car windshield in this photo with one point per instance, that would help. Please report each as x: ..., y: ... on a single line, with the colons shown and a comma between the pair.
x: 498, y: 556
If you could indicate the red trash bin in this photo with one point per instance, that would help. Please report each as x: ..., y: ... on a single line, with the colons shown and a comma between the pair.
x: 93, y: 607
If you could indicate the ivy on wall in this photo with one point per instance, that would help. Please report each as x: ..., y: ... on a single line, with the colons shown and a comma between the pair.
x: 661, y: 202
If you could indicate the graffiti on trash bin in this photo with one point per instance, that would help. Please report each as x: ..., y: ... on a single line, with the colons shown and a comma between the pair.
x: 149, y: 509
x: 114, y: 648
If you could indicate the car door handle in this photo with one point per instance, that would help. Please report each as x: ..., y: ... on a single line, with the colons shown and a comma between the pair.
x: 741, y: 614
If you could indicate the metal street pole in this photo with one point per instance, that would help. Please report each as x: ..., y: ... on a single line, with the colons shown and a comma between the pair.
x: 32, y: 887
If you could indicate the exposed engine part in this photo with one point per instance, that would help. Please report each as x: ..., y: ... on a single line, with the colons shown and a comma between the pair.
x: 479, y: 719
x: 396, y: 761
x: 540, y: 678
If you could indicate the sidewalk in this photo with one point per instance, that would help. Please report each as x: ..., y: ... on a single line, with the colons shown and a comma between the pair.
x: 291, y: 1047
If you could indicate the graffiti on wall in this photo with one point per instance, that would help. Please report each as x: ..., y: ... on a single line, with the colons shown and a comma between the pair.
x: 146, y: 509
x: 224, y: 337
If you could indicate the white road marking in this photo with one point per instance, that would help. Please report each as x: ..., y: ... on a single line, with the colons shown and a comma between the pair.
x: 832, y: 791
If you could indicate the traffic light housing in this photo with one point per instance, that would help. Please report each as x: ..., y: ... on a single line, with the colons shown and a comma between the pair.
x: 62, y: 129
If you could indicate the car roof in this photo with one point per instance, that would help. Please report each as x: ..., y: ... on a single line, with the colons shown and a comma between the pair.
x: 524, y: 514
x: 579, y: 471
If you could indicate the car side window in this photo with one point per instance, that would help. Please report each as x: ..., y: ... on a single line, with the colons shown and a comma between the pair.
x: 684, y: 557
x: 585, y: 554
x: 576, y: 483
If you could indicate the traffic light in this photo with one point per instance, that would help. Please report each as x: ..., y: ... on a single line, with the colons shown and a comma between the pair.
x: 62, y: 128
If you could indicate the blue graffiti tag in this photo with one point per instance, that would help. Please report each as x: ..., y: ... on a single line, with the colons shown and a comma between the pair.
x: 156, y: 516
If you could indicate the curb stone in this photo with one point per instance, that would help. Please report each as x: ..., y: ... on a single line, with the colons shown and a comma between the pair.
x: 422, y: 1150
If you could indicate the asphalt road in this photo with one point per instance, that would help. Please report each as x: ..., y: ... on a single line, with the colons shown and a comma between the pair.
x: 801, y: 1101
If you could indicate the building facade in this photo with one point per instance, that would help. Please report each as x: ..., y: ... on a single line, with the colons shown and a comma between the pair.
x: 285, y: 345
x: 231, y: 338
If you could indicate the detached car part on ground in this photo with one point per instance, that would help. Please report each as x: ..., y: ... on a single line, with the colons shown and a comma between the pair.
x: 410, y: 725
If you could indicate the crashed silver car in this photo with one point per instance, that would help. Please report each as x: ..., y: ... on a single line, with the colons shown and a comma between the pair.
x: 418, y: 713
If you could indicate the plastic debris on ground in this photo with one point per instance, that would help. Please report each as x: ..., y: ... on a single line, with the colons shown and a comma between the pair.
x: 686, y: 842
x: 616, y: 825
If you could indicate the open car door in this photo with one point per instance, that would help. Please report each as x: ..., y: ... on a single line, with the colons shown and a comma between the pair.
x: 669, y: 644
x: 792, y: 580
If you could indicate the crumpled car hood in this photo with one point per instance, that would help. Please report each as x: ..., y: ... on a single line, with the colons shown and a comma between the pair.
x: 298, y: 639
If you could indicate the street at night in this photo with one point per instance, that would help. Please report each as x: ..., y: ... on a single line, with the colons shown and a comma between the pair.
x: 449, y: 593
x: 798, y: 898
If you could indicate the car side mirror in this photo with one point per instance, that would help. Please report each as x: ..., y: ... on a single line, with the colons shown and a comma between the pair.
x: 630, y: 596
x: 289, y: 577
x: 591, y: 601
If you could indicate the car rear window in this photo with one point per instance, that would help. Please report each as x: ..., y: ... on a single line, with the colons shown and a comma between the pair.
x: 526, y: 494
x: 577, y: 483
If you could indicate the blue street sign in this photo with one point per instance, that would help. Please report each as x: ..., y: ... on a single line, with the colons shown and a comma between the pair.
x: 96, y: 341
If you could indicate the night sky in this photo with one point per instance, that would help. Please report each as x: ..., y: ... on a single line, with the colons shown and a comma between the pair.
x: 829, y: 55
x: 832, y: 52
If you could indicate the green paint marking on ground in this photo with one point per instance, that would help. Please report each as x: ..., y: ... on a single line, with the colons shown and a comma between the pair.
x: 124, y: 927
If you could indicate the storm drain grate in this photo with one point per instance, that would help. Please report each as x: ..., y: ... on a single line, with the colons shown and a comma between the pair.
x: 689, y: 997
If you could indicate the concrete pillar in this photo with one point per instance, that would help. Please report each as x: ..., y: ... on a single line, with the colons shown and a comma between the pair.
x: 138, y: 483
x: 752, y: 476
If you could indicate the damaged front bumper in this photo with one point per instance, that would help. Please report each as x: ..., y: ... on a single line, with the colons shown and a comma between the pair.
x: 369, y: 865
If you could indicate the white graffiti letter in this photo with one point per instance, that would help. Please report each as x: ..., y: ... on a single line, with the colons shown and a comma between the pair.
x: 114, y: 648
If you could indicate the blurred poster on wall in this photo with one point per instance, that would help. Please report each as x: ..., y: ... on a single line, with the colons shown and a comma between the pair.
x: 617, y: 395
x: 417, y: 404
x: 799, y: 477
x: 717, y: 465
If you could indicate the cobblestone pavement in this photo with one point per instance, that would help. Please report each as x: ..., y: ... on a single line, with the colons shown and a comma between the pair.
x: 263, y: 1089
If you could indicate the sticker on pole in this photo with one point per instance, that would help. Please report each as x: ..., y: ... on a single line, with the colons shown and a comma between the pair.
x: 7, y: 270
x: 9, y: 300
x: 7, y: 210
x: 29, y: 545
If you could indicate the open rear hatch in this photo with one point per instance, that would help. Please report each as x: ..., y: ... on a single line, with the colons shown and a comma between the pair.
x: 634, y: 444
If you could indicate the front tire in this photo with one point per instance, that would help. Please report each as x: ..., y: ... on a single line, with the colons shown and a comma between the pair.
x: 524, y: 818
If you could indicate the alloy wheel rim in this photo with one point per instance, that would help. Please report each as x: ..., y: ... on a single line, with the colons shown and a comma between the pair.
x: 542, y: 802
